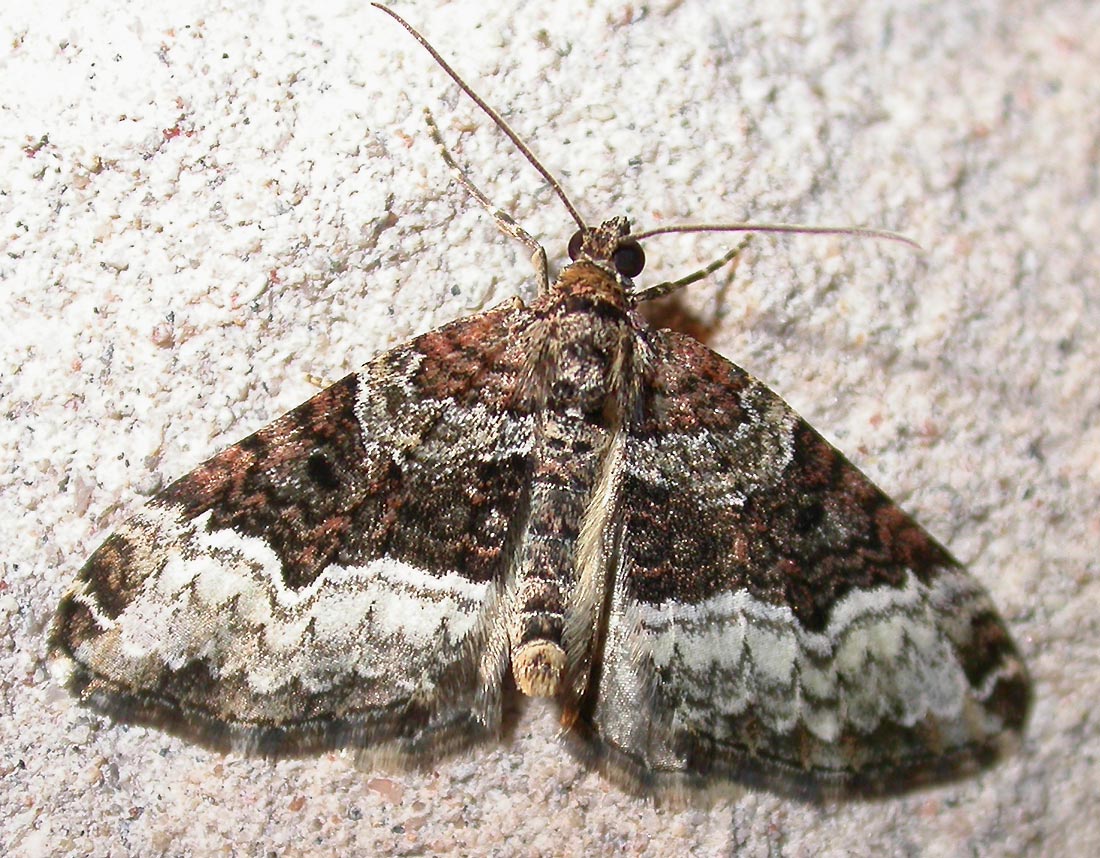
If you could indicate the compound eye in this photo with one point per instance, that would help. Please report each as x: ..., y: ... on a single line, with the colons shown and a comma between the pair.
x: 629, y: 259
x: 575, y: 244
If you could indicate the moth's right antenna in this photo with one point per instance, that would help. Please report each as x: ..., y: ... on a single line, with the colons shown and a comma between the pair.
x: 492, y: 114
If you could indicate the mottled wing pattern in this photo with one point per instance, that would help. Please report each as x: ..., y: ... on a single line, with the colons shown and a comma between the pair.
x: 776, y: 620
x: 332, y: 580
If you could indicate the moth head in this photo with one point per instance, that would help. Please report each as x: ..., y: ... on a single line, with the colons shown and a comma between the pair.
x: 610, y: 242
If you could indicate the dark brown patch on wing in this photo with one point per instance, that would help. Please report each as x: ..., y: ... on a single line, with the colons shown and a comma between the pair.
x: 804, y: 536
x: 321, y: 489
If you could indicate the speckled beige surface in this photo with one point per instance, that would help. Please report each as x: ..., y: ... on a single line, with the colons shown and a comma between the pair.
x: 205, y: 202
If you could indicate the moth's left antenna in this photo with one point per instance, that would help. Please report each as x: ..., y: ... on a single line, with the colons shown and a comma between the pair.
x: 492, y: 114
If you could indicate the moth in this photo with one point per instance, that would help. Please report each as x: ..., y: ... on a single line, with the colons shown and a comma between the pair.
x: 559, y: 499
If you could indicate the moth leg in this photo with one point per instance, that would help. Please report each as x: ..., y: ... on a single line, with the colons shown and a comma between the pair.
x: 503, y: 220
x: 659, y: 290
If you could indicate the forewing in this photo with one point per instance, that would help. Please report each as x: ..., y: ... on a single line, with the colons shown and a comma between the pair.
x: 331, y: 580
x: 776, y: 620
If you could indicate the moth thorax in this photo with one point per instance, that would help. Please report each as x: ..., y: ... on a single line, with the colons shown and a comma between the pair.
x: 537, y: 667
